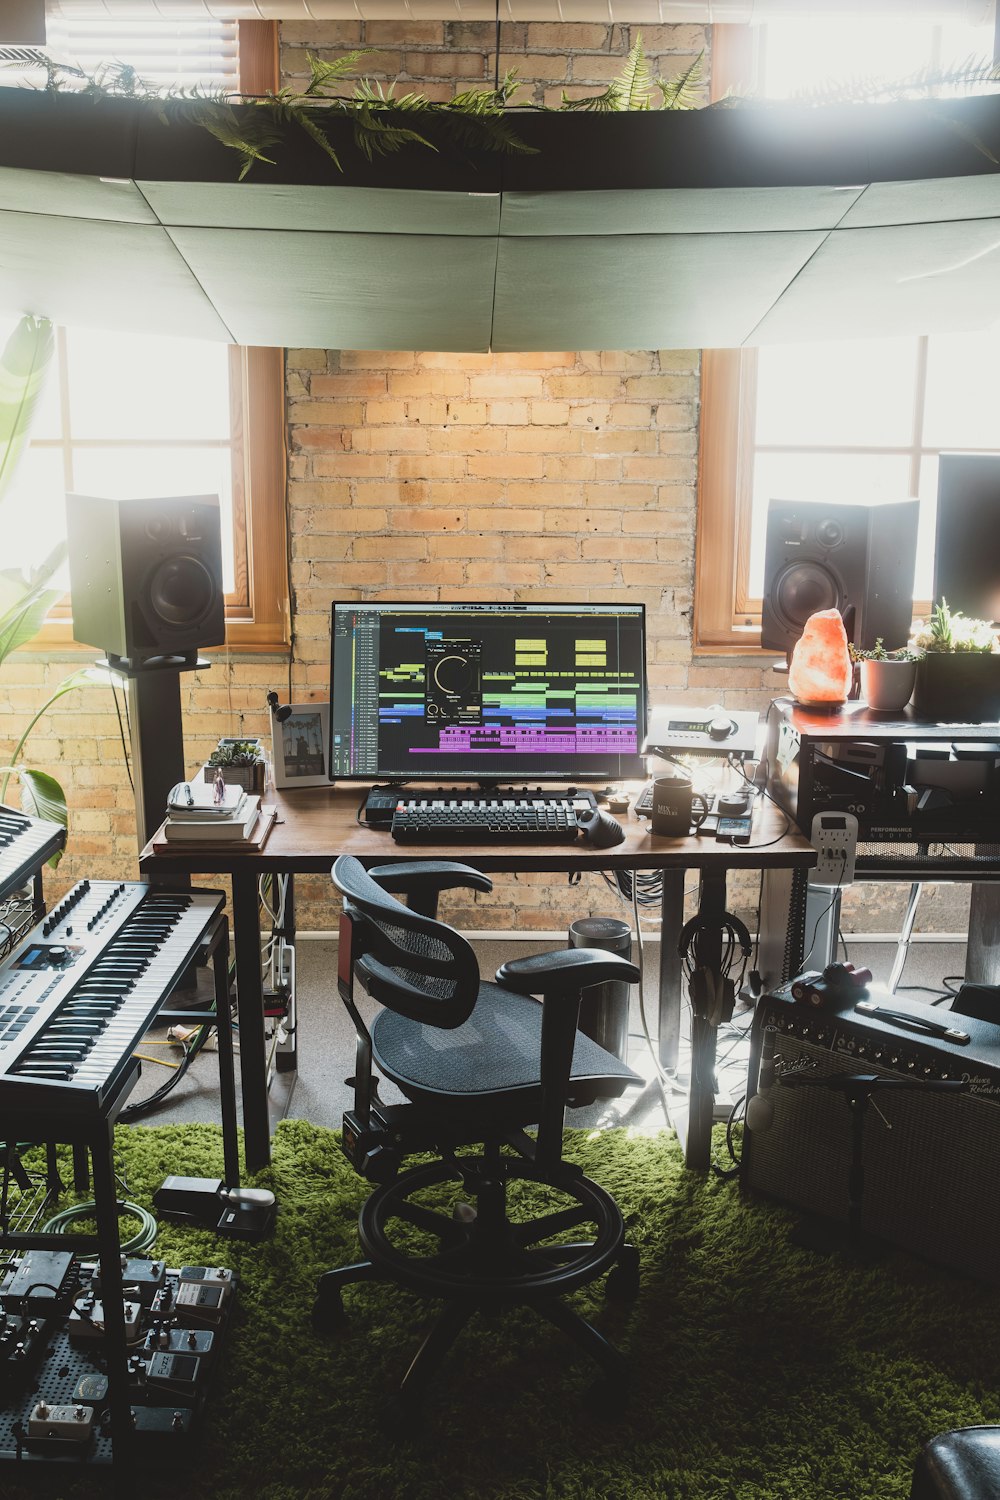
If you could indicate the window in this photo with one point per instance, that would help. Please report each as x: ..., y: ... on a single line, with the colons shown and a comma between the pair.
x: 132, y: 414
x: 866, y: 419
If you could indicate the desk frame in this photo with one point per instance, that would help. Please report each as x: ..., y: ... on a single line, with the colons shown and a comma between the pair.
x: 316, y: 826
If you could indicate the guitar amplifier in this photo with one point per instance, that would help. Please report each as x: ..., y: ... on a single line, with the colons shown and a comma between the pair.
x: 931, y: 1160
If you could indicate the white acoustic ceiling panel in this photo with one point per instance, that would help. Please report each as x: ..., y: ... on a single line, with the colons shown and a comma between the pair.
x: 892, y: 281
x: 346, y: 291
x: 328, y: 209
x: 641, y: 291
x: 669, y: 211
x: 102, y: 274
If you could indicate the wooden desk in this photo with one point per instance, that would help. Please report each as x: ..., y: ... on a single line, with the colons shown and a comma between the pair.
x: 316, y: 825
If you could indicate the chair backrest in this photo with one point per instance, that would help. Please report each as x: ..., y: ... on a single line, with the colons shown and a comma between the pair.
x: 407, y: 962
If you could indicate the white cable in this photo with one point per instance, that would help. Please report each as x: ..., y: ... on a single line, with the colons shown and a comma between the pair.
x: 661, y: 1075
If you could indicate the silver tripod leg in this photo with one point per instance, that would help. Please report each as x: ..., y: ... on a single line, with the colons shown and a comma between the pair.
x: 906, y: 932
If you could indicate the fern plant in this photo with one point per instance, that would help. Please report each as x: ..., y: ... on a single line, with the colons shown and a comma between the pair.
x: 382, y: 121
x: 634, y: 87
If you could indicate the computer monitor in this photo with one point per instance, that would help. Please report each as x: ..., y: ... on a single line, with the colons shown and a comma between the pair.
x: 487, y: 692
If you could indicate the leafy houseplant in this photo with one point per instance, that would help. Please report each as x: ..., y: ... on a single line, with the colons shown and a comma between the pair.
x: 958, y: 675
x: 241, y: 763
x: 887, y: 677
x: 27, y: 595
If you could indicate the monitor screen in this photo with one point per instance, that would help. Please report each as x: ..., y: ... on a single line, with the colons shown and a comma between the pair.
x: 487, y: 692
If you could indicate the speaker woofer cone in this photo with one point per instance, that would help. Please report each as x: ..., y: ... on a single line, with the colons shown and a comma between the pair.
x: 181, y: 592
x: 800, y: 590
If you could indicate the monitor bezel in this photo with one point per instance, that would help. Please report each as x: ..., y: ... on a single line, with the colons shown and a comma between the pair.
x: 609, y: 775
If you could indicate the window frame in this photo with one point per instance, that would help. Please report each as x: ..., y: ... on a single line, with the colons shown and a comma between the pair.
x: 257, y: 610
x: 726, y: 618
x: 726, y: 415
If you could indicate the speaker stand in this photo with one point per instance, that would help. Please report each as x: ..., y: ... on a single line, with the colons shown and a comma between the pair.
x: 827, y: 1236
x: 154, y: 697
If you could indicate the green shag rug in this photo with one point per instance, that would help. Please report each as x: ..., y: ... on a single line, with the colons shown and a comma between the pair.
x: 760, y: 1370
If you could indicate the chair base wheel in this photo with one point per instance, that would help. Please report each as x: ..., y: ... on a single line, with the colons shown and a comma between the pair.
x: 328, y: 1315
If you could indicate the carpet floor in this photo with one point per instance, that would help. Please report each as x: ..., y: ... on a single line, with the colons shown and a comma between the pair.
x: 760, y: 1371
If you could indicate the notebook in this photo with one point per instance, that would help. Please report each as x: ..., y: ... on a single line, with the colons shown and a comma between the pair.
x: 229, y: 828
x: 264, y: 821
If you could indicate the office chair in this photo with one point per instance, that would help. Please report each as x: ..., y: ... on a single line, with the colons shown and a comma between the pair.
x: 478, y: 1062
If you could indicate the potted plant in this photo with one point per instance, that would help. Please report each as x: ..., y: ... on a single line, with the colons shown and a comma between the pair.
x: 958, y: 674
x: 241, y: 763
x: 887, y: 677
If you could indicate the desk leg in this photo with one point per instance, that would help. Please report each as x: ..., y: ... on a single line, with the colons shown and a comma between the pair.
x: 711, y: 908
x: 671, y: 922
x: 250, y: 1010
x: 227, y: 1079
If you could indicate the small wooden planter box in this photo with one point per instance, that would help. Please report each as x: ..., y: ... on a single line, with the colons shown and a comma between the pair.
x: 250, y: 778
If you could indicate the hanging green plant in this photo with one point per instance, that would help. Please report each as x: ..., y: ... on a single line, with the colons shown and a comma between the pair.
x: 27, y: 595
x: 383, y: 122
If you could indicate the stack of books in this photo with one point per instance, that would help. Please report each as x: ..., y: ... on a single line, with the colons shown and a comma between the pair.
x: 194, y: 817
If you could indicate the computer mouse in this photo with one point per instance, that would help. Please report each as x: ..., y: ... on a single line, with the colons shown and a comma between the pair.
x: 600, y: 829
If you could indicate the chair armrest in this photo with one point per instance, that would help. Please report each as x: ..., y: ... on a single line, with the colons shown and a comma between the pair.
x: 566, y: 971
x: 429, y: 874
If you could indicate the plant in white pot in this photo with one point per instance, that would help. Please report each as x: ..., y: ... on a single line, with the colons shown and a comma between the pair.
x: 887, y: 677
x: 958, y: 674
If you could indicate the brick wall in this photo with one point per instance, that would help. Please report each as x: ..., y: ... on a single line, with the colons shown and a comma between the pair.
x: 554, y: 477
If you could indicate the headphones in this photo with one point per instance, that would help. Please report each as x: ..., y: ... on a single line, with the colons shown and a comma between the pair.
x: 713, y: 995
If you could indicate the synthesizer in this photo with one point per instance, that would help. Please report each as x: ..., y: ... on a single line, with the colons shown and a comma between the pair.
x: 25, y: 844
x: 78, y: 993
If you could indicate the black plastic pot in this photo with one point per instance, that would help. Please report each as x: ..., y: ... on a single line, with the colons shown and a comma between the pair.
x: 960, y: 687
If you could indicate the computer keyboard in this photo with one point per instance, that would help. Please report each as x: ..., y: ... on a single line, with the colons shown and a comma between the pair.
x: 462, y: 816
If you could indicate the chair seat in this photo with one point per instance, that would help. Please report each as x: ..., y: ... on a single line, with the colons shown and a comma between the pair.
x: 959, y: 1465
x: 495, y: 1052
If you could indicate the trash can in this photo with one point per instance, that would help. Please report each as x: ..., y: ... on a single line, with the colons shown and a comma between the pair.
x: 604, y: 1007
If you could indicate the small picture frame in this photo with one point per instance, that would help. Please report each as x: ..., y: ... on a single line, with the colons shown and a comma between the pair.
x: 299, y: 745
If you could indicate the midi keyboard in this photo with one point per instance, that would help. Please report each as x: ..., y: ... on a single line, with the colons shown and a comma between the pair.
x: 458, y: 815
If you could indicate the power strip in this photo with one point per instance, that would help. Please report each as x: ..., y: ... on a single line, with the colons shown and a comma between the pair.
x: 834, y: 836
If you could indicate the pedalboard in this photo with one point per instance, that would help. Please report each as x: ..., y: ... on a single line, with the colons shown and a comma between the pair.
x: 834, y: 836
x: 54, y: 1388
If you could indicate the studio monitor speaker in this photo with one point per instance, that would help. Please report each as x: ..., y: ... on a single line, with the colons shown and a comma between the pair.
x: 146, y: 575
x: 967, y: 545
x: 859, y: 559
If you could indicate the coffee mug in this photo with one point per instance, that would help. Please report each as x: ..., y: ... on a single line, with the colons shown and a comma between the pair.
x: 677, y: 809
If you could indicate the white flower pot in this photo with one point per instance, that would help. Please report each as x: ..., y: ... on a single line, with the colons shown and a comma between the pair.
x: 886, y: 686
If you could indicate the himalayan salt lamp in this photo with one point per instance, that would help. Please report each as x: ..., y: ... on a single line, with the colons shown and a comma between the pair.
x: 820, y: 671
